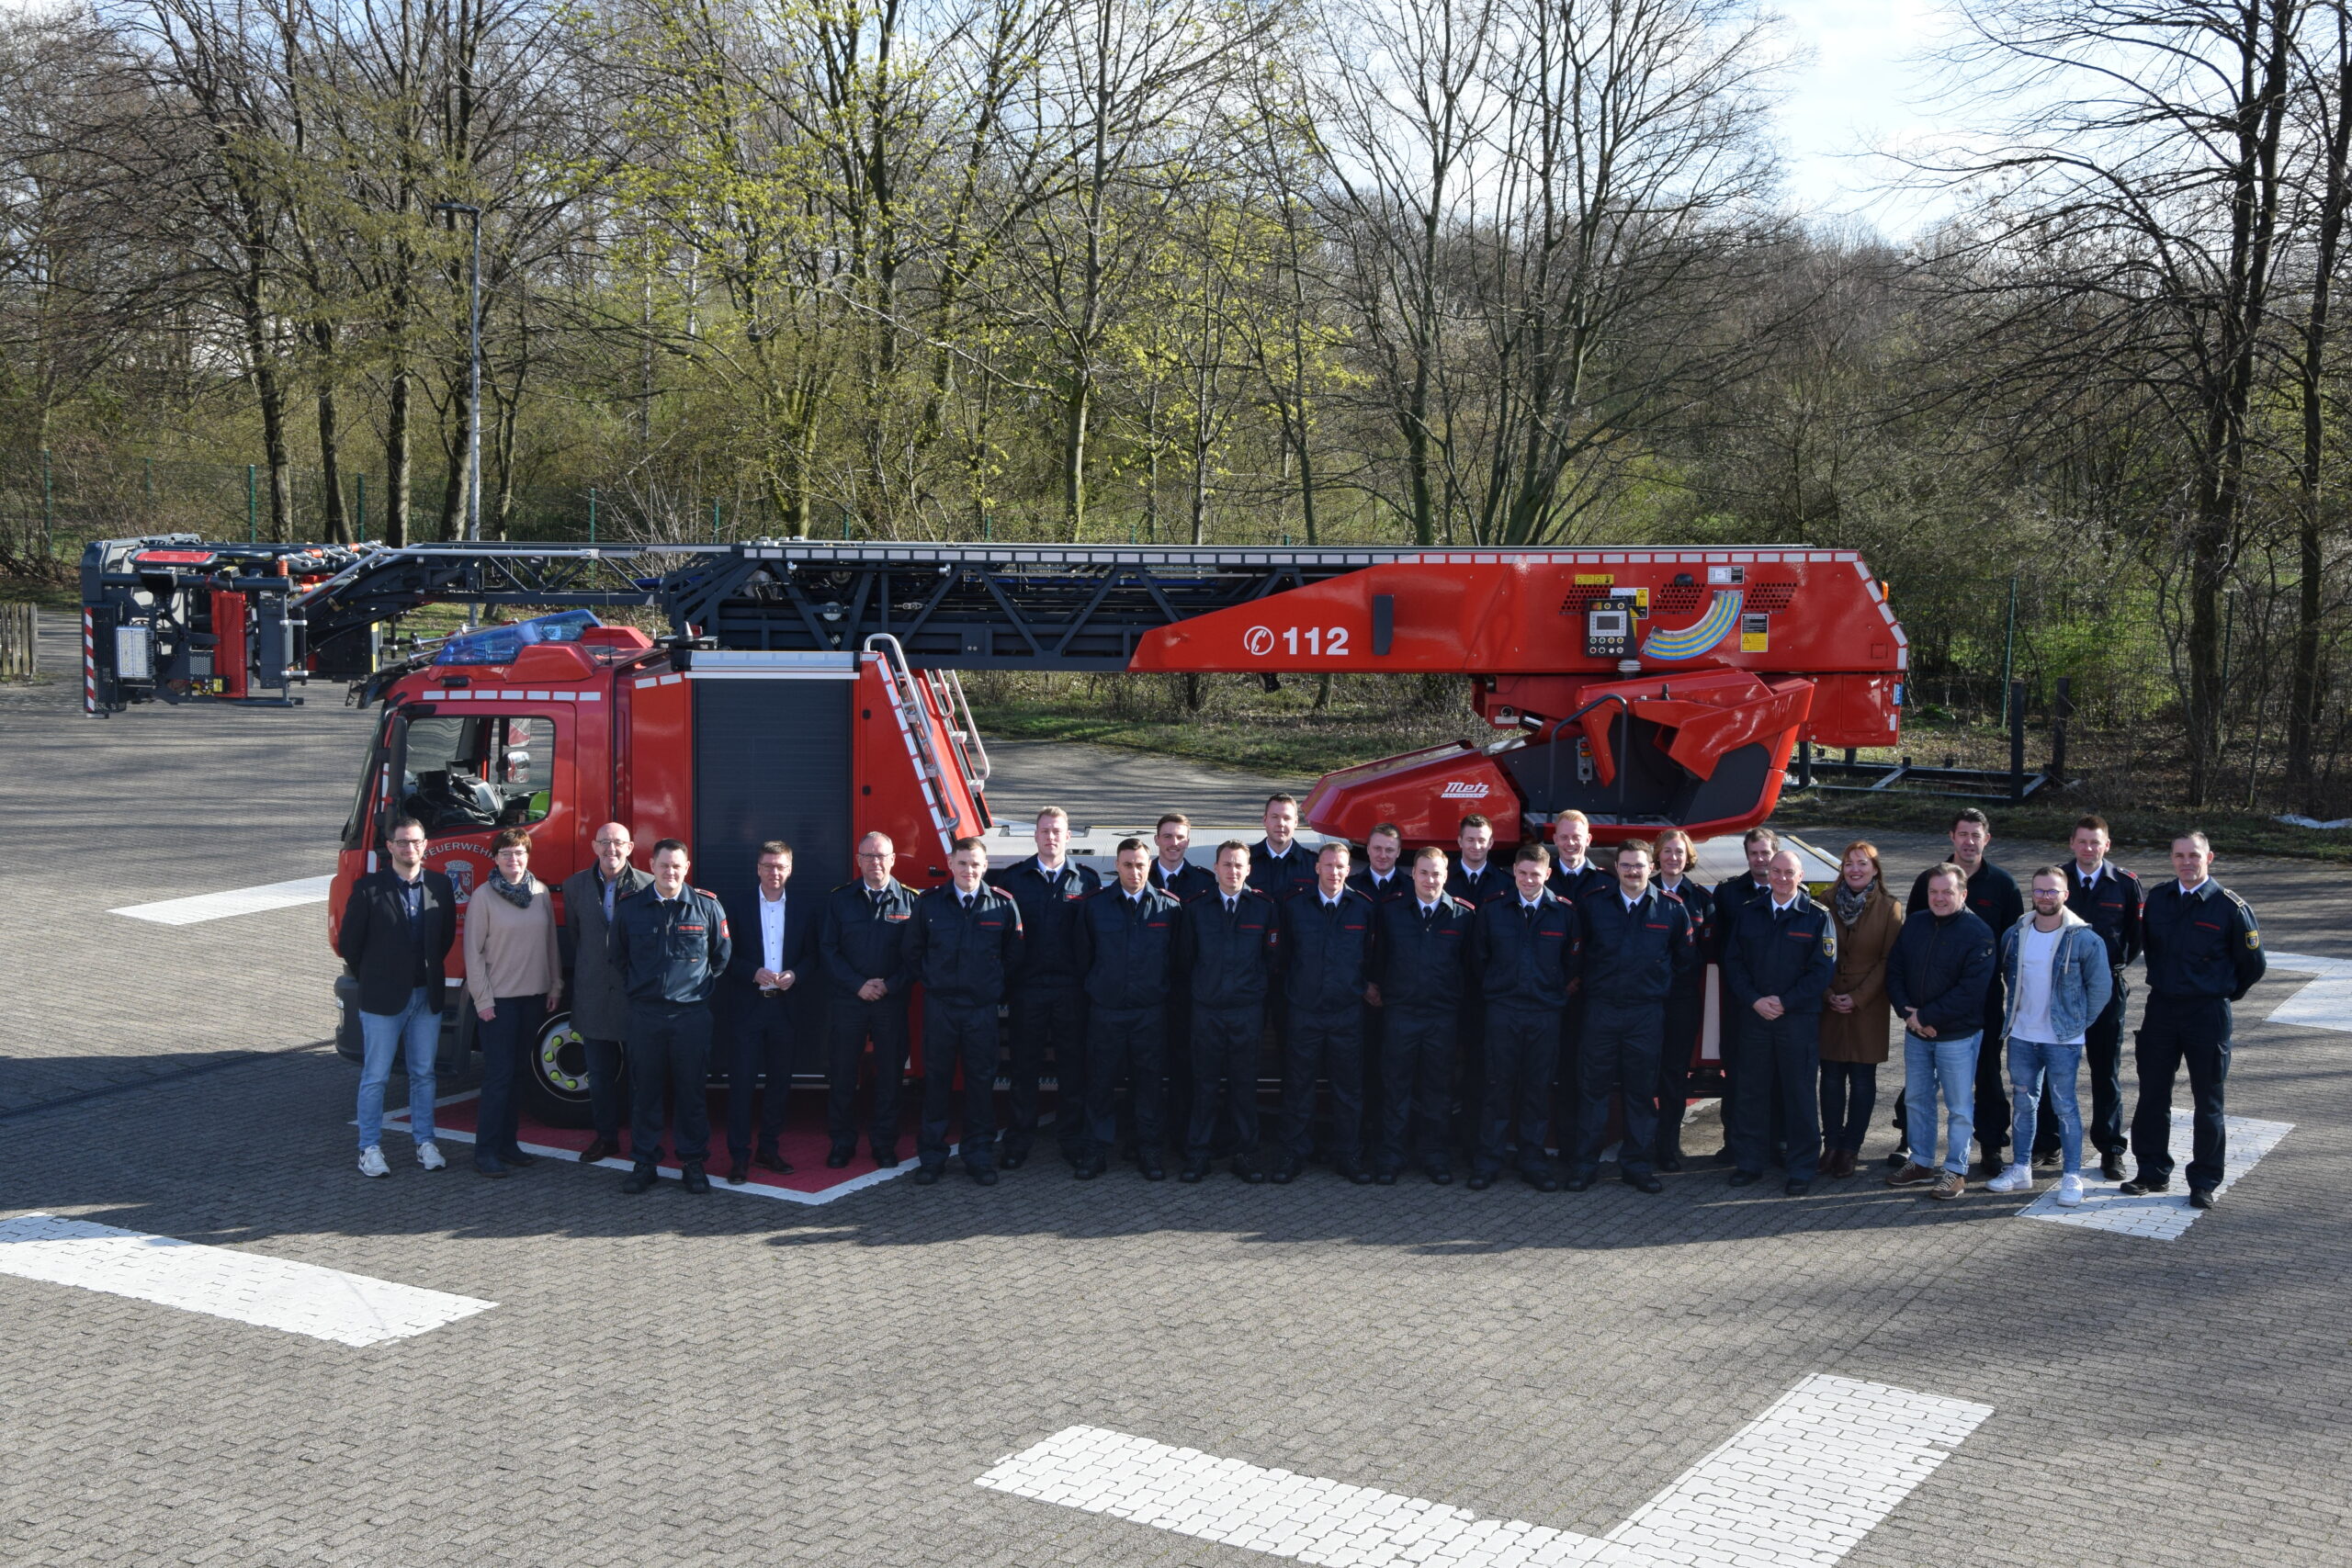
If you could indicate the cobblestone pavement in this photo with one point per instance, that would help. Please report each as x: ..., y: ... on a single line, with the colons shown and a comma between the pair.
x: 680, y: 1381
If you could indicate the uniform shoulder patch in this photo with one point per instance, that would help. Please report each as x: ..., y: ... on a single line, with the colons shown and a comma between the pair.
x: 2254, y: 939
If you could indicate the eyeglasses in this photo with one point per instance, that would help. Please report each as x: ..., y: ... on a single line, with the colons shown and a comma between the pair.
x: 408, y: 844
x: 874, y: 854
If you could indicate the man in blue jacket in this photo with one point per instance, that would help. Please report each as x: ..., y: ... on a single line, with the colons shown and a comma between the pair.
x: 1048, y: 1004
x: 966, y: 947
x: 1126, y: 953
x: 1777, y: 965
x: 1327, y: 958
x: 2204, y: 952
x: 1226, y: 943
x: 1638, y: 953
x: 2054, y: 973
x: 864, y: 951
x: 1937, y: 976
x: 1420, y: 969
x: 1524, y: 950
x: 672, y: 945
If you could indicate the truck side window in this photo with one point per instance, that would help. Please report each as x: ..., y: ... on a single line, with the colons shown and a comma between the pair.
x: 479, y: 772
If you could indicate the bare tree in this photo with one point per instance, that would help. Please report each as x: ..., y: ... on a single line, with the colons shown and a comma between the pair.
x: 2137, y: 241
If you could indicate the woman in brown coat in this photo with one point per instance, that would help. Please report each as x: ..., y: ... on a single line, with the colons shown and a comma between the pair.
x: 1855, y: 1022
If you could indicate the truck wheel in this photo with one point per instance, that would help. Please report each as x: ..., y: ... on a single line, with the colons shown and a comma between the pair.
x: 555, y: 1078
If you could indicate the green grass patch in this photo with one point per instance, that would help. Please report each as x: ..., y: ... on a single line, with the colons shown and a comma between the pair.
x: 2052, y: 820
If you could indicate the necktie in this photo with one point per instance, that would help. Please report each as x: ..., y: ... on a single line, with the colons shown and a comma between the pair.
x: 1228, y: 906
x: 1429, y: 914
x: 967, y: 901
x: 1527, y: 913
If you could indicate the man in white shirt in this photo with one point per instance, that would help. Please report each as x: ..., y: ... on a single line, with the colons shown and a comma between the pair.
x: 762, y: 978
x: 2055, y: 968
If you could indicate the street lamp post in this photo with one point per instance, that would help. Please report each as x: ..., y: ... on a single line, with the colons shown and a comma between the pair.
x: 473, y: 375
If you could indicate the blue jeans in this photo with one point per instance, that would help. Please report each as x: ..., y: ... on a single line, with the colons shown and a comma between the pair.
x: 418, y: 1025
x: 2028, y: 1059
x: 1949, y: 1067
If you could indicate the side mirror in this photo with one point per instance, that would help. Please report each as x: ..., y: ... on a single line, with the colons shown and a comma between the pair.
x: 518, y: 767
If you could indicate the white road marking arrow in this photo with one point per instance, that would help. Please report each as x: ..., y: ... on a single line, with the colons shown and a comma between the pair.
x: 2325, y: 1002
x: 1798, y: 1488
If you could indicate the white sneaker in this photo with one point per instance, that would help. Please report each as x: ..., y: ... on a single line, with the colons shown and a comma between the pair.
x: 2070, y: 1191
x: 428, y: 1155
x: 371, y: 1162
x: 2016, y: 1179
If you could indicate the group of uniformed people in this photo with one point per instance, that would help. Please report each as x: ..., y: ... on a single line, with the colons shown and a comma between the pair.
x: 1447, y: 1003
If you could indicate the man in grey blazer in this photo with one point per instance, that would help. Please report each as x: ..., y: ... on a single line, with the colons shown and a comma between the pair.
x: 599, y: 998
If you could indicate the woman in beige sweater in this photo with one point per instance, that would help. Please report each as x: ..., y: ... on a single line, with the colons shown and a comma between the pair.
x: 514, y: 978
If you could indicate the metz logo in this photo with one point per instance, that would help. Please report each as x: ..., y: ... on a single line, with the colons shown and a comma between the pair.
x: 1460, y: 791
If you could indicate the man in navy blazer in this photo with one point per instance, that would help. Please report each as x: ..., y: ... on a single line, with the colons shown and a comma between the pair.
x: 762, y: 976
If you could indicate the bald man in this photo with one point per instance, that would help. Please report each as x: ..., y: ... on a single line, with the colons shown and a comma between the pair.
x: 599, y: 998
x: 866, y: 952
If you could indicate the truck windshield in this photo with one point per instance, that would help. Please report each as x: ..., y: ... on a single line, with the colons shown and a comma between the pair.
x: 479, y: 770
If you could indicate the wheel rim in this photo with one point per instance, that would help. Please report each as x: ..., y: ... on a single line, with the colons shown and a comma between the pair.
x: 560, y: 1063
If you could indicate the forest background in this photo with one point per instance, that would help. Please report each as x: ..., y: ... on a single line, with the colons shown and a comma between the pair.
x: 1458, y: 272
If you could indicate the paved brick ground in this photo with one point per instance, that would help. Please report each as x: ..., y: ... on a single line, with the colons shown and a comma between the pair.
x: 674, y: 1381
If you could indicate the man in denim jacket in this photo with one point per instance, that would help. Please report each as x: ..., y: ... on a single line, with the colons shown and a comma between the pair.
x: 2054, y: 967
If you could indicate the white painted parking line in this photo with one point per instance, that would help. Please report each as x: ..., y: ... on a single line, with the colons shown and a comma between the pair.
x: 245, y: 1287
x: 2163, y: 1216
x: 2323, y: 1002
x: 1797, y: 1487
x: 238, y: 901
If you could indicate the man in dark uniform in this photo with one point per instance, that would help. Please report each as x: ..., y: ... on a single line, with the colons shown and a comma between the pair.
x: 1993, y: 897
x: 966, y: 941
x: 1048, y: 1004
x: 1573, y: 875
x: 2204, y: 952
x: 1171, y: 872
x: 864, y: 950
x: 2110, y: 897
x: 1327, y: 955
x: 671, y: 941
x: 1731, y: 897
x: 1420, y: 968
x: 1777, y: 967
x: 1475, y: 879
x: 1226, y: 943
x: 1382, y: 875
x: 1126, y: 942
x: 763, y: 996
x: 1686, y: 1010
x: 1524, y: 950
x: 1572, y: 878
x: 1279, y: 864
x: 1177, y: 876
x: 1638, y: 953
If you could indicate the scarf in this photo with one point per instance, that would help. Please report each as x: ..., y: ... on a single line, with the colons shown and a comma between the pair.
x: 1851, y: 903
x: 520, y: 897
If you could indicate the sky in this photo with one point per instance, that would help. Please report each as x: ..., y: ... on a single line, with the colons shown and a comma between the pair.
x: 1858, y: 85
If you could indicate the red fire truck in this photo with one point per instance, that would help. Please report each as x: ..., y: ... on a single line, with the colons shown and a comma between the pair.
x: 810, y: 690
